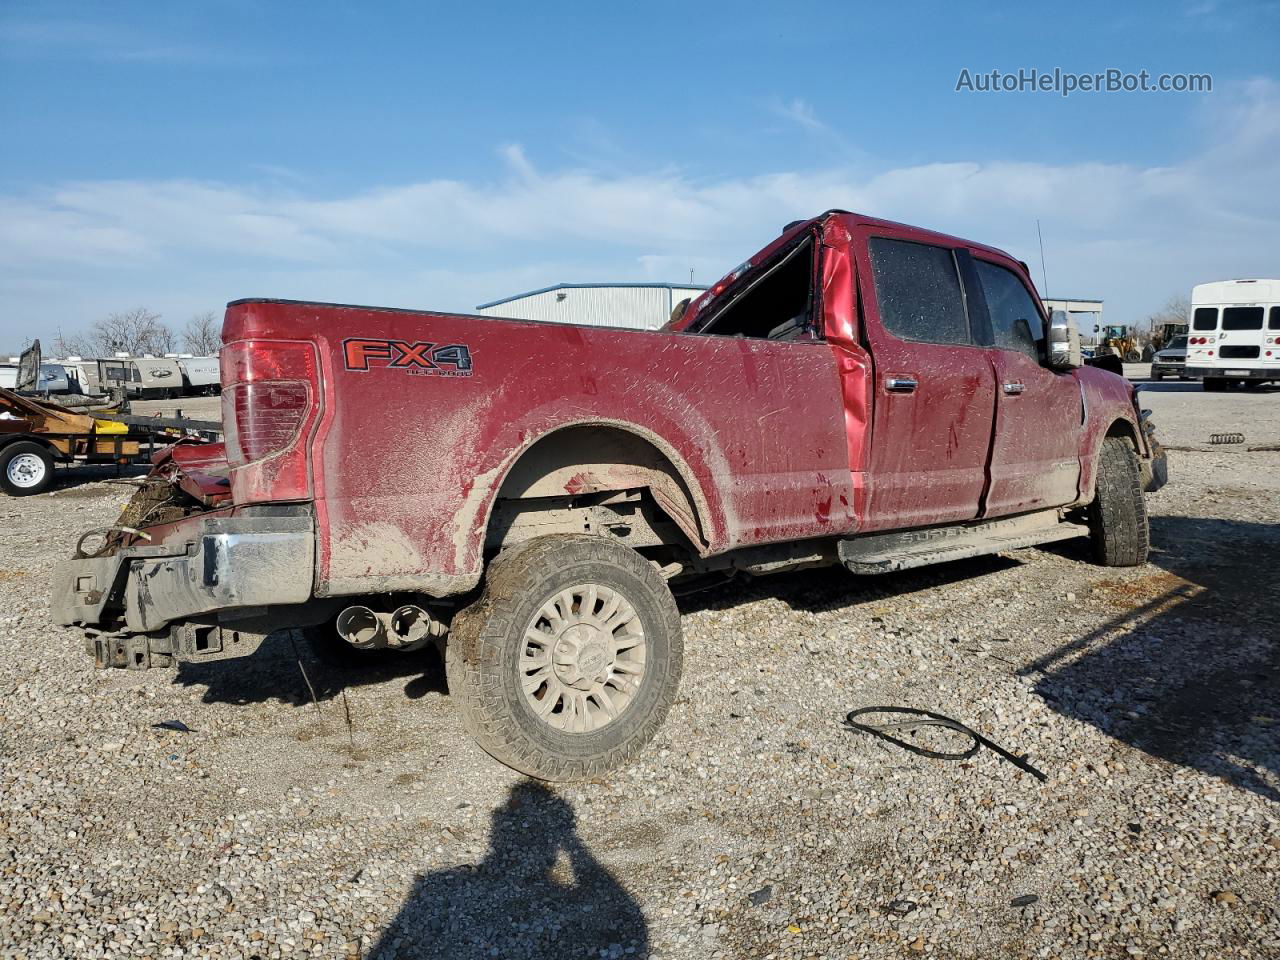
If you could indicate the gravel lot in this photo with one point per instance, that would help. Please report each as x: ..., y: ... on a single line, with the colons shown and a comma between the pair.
x: 754, y: 827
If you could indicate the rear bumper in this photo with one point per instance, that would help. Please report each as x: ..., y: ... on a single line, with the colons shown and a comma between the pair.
x: 1241, y: 371
x: 254, y: 560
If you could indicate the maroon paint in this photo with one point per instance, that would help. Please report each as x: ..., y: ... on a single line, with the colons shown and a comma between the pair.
x: 403, y: 449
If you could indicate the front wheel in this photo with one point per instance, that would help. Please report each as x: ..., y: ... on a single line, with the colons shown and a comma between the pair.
x: 566, y: 666
x: 1118, y: 515
x: 26, y: 468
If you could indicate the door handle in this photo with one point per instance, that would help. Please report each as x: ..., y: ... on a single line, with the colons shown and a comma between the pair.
x: 900, y: 384
x: 1013, y: 389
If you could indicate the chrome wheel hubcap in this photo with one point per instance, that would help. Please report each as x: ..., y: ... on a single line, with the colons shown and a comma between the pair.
x: 583, y: 658
x: 25, y: 470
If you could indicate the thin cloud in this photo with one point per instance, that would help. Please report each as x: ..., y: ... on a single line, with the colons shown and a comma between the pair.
x: 1133, y: 235
x: 102, y: 42
x: 799, y: 112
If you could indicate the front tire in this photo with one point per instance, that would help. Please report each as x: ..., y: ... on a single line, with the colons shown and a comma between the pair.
x: 567, y: 665
x: 26, y: 468
x: 1118, y: 515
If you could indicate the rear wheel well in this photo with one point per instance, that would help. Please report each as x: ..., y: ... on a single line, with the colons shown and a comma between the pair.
x: 596, y: 475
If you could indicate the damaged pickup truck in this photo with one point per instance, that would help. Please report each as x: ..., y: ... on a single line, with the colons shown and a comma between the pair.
x: 525, y: 495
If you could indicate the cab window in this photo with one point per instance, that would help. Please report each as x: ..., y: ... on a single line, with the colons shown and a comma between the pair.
x: 918, y: 291
x: 1015, y: 321
x: 776, y: 304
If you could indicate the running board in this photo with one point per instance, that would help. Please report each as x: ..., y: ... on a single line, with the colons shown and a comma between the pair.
x: 901, y: 550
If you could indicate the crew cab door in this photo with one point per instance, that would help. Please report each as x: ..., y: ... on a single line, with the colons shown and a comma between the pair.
x: 1035, y: 453
x: 934, y: 392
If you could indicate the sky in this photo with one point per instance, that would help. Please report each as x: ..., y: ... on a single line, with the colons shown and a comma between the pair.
x: 177, y: 156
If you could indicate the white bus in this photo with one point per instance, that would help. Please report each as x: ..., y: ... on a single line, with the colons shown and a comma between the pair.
x: 1234, y: 336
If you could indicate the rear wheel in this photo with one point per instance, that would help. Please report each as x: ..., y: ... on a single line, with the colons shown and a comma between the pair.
x: 26, y: 468
x: 1118, y: 515
x: 1213, y: 384
x: 568, y: 663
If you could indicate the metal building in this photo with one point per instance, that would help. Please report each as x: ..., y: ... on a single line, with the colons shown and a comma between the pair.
x: 646, y: 306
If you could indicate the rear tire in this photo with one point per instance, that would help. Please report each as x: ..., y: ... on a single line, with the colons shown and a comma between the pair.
x: 567, y: 665
x: 1118, y: 515
x: 26, y: 468
x: 1213, y: 384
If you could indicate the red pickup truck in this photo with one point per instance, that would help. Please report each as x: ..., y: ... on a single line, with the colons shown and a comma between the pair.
x: 524, y: 494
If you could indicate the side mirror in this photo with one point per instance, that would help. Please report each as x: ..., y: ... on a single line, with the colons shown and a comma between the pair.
x: 1064, y: 341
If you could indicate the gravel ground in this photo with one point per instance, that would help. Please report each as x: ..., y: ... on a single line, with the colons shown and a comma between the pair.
x: 754, y: 827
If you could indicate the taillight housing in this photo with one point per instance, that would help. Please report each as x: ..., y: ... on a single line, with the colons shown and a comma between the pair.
x: 265, y: 419
x: 270, y: 400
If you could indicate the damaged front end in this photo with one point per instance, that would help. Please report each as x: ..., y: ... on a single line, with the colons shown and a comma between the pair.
x: 1155, y: 466
x: 184, y: 574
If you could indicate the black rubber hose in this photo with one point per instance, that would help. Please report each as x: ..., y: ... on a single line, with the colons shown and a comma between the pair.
x: 929, y: 719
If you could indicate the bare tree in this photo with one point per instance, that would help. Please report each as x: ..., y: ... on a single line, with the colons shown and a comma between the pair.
x: 203, y: 335
x: 135, y: 331
x: 72, y: 345
x: 1175, y: 310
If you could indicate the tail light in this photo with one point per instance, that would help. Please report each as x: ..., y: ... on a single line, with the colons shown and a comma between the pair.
x: 266, y: 418
x: 270, y: 398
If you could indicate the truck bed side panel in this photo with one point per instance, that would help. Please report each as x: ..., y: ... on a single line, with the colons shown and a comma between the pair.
x: 413, y: 449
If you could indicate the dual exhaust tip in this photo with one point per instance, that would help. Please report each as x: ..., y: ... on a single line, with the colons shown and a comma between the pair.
x: 408, y: 627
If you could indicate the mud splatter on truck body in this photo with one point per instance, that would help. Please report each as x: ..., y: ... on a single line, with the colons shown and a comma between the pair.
x: 410, y: 457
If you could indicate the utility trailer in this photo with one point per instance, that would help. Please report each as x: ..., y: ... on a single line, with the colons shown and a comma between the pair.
x: 35, y: 434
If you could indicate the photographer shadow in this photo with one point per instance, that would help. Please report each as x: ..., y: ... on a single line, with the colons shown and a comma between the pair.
x: 1186, y: 672
x: 538, y: 893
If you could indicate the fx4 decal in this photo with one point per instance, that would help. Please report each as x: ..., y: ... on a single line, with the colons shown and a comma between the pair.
x: 422, y: 358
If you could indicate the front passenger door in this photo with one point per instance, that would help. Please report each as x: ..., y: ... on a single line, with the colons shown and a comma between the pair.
x: 1035, y: 454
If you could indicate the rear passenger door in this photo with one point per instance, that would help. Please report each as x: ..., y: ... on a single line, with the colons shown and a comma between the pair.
x: 934, y: 394
x: 1035, y: 454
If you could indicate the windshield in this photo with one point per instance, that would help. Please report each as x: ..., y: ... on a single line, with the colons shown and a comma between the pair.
x: 1177, y: 343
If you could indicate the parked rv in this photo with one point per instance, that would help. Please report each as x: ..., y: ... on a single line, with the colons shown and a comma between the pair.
x: 114, y: 373
x: 54, y: 378
x: 200, y: 375
x: 152, y: 377
x: 86, y: 373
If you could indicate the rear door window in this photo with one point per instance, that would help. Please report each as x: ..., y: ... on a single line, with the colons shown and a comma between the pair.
x: 1205, y: 318
x: 918, y: 291
x: 1241, y: 318
x: 1015, y: 321
x: 1274, y: 322
x: 777, y: 304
